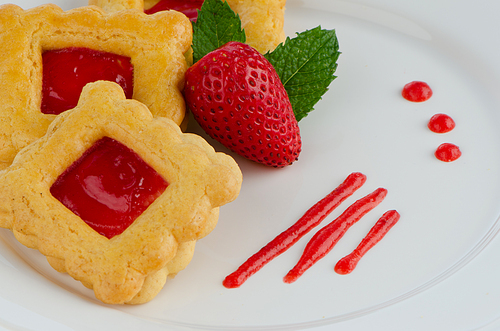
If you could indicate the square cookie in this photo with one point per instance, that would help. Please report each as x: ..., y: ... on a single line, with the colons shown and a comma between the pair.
x: 154, y: 44
x: 129, y: 265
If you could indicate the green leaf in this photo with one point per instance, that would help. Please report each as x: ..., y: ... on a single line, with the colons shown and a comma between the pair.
x: 306, y: 65
x: 217, y: 24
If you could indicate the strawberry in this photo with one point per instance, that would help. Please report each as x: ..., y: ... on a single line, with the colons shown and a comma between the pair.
x: 238, y: 99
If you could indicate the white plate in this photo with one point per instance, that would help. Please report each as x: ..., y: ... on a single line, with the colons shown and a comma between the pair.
x: 449, y: 211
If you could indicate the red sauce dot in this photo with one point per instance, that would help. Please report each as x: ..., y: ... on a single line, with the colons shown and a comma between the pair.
x: 447, y: 152
x: 416, y: 91
x: 441, y: 123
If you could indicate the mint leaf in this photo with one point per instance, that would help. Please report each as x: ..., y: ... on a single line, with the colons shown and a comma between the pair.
x: 306, y: 65
x: 217, y: 24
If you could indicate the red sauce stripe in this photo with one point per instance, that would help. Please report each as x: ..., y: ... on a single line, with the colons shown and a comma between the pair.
x: 377, y: 232
x: 287, y: 238
x: 326, y: 238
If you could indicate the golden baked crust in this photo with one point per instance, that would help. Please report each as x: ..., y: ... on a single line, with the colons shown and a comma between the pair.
x: 262, y: 20
x: 155, y: 44
x: 132, y: 266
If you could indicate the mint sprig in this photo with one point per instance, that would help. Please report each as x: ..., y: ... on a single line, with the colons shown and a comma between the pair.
x: 305, y: 64
x: 216, y: 25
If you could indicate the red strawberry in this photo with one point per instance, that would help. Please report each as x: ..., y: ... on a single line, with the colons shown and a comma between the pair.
x: 238, y: 99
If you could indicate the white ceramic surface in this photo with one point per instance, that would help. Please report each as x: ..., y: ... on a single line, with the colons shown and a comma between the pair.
x: 438, y: 258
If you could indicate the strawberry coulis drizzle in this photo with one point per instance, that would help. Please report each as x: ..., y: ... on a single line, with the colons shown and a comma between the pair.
x: 327, y: 237
x: 348, y: 263
x: 314, y: 216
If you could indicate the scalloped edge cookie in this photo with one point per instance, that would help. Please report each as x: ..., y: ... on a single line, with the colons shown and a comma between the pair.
x: 131, y: 267
x: 155, y: 44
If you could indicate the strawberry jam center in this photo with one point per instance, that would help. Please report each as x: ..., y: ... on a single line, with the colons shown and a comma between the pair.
x: 108, y: 187
x: 66, y: 71
x: 187, y: 7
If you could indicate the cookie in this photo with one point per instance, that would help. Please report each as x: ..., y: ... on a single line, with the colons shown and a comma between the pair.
x: 262, y: 20
x: 154, y: 44
x: 67, y: 195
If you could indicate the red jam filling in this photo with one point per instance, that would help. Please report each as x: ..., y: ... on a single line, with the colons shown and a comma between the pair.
x: 441, y: 123
x: 108, y: 187
x: 66, y: 71
x: 416, y: 91
x: 187, y: 7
